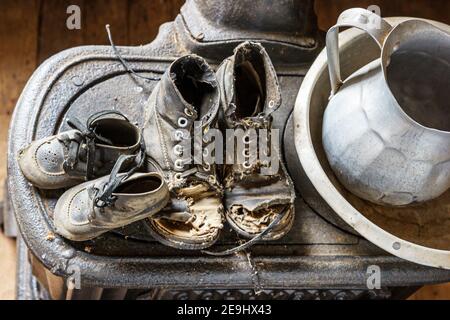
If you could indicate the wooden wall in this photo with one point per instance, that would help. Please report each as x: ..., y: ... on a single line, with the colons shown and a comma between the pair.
x: 329, y: 10
x: 33, y: 30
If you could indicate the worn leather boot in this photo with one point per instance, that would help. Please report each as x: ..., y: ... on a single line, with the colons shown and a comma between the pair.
x: 92, y: 208
x: 257, y: 186
x: 186, y: 100
x: 84, y: 153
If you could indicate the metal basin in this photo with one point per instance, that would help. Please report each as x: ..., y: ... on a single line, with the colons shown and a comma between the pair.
x: 420, y: 234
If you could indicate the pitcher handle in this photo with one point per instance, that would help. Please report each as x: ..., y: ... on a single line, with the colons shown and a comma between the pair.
x: 363, y: 19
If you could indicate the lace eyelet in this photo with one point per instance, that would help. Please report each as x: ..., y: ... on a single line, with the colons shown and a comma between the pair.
x: 188, y: 112
x: 182, y: 122
x: 179, y: 135
x: 205, y: 152
x: 247, y: 165
x: 246, y: 153
x: 246, y: 139
x: 178, y: 150
x: 271, y: 104
x: 206, y: 167
x: 179, y: 164
x: 177, y: 176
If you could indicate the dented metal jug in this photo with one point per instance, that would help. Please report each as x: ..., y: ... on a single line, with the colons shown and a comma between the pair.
x: 386, y: 128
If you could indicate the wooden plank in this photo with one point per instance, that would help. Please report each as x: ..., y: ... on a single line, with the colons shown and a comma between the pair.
x: 18, y: 47
x: 8, y: 267
x: 145, y: 17
x: 18, y: 44
x: 438, y: 292
x: 98, y: 13
x: 54, y: 35
x: 4, y: 124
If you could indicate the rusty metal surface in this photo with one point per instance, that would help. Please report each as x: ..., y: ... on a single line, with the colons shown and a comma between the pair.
x: 80, y: 81
x: 29, y: 287
x: 214, y: 28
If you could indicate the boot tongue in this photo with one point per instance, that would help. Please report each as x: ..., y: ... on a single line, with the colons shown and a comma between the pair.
x: 257, y: 86
x: 256, y: 89
x: 189, y: 85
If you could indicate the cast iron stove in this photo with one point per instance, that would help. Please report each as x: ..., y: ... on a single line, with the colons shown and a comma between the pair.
x: 319, y: 259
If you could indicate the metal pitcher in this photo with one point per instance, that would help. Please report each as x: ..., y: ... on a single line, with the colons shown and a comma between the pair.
x: 386, y: 128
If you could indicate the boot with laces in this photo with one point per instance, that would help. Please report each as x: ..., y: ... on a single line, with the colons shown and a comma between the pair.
x: 257, y: 191
x: 186, y: 100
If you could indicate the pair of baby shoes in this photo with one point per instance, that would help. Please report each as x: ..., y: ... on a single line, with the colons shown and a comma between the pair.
x: 99, y: 163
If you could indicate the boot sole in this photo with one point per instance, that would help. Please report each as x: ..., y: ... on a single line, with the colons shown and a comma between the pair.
x: 178, y: 243
x: 280, y: 231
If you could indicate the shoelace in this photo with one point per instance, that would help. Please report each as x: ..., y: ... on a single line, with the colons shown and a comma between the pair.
x: 204, y: 171
x: 254, y: 240
x: 122, y: 60
x: 262, y: 120
x: 88, y: 137
x: 105, y: 198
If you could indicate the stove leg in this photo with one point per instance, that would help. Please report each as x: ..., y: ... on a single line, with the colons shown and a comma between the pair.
x: 27, y: 286
x: 51, y: 287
